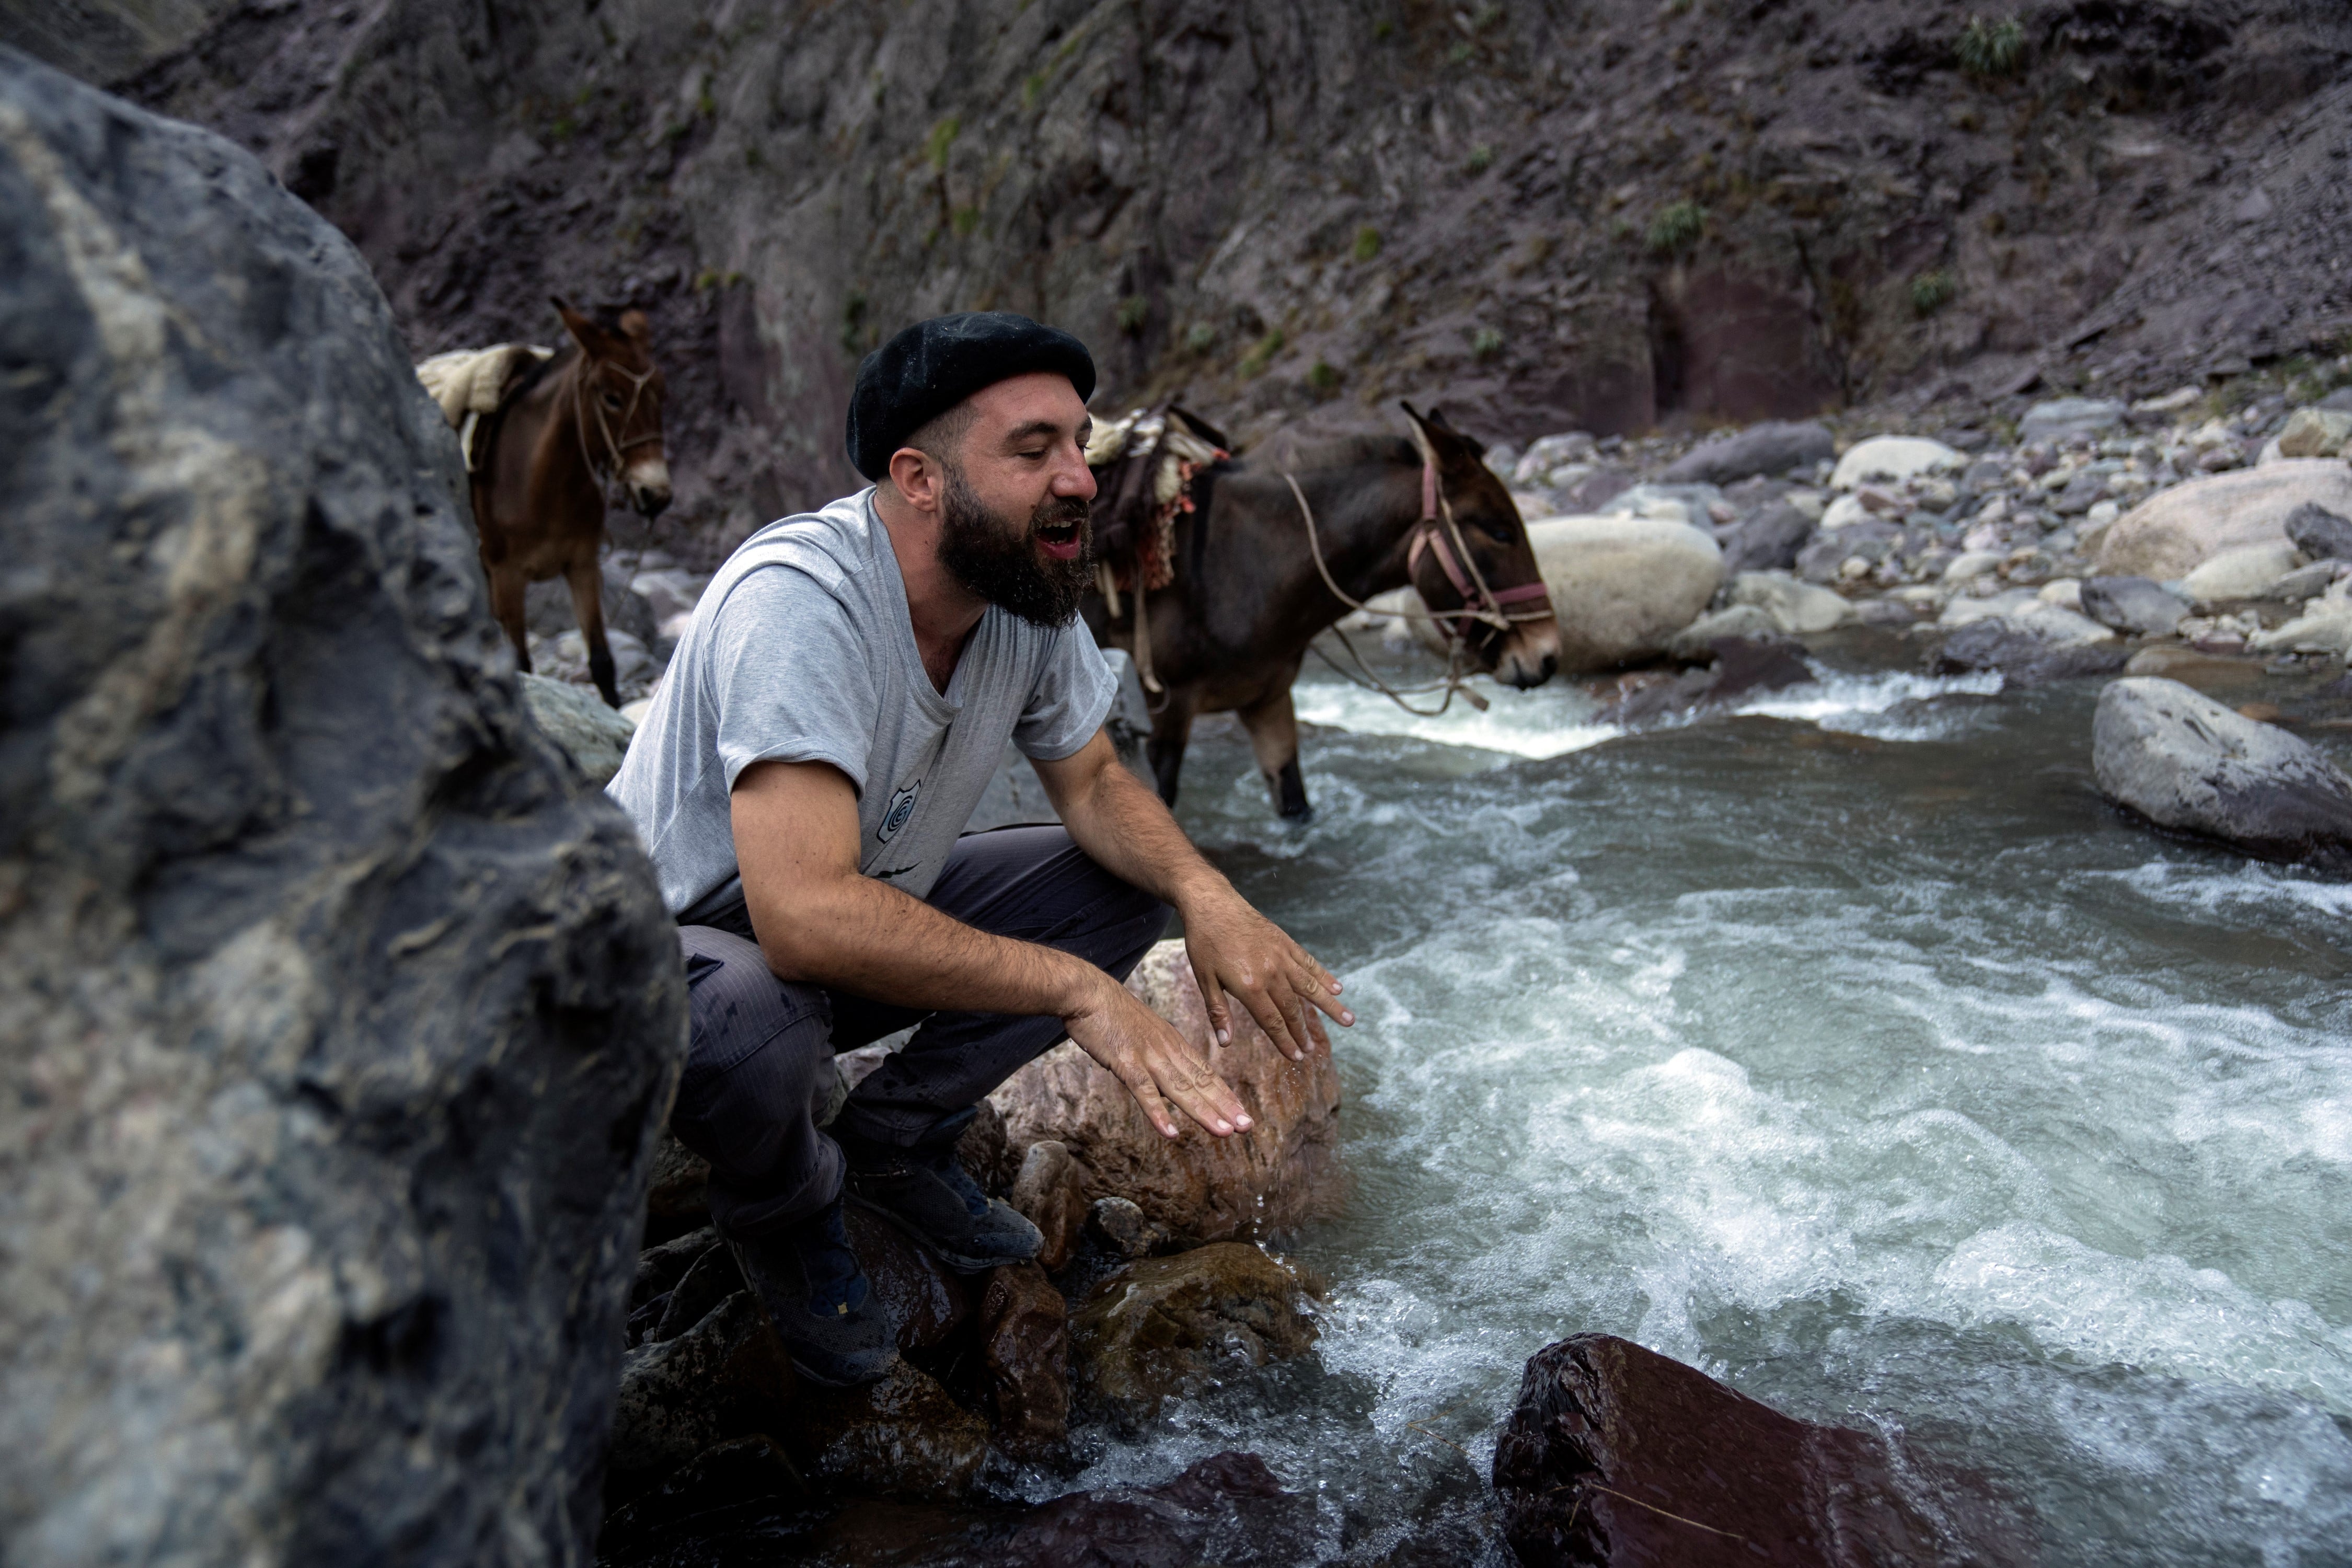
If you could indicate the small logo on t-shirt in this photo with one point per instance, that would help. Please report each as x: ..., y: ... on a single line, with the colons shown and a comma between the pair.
x: 902, y: 806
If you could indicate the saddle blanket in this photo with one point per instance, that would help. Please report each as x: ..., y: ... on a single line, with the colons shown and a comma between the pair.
x: 470, y: 383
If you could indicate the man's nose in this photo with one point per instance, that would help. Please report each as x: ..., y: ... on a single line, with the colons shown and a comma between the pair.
x: 1074, y: 480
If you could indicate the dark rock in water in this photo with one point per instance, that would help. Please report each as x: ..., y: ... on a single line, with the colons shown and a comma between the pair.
x: 340, y: 1014
x: 1128, y: 1231
x: 2019, y: 655
x: 1616, y: 1454
x: 1743, y: 665
x: 2319, y: 532
x: 2185, y: 762
x: 1167, y: 1326
x: 1773, y: 447
x: 1024, y: 1331
x: 725, y: 1375
x: 901, y: 1436
x: 1768, y: 541
x: 1227, y: 1509
x: 1051, y: 1193
x: 742, y: 1475
x: 2132, y: 605
x: 927, y: 1301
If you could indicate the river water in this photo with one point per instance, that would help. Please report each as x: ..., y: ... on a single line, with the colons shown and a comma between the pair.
x: 1850, y: 1050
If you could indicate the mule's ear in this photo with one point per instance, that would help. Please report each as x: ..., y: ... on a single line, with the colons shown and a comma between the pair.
x: 1437, y: 421
x: 1422, y: 440
x: 640, y: 330
x: 584, y: 329
x: 1436, y: 439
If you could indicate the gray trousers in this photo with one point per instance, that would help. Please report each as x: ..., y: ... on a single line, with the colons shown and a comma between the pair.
x: 759, y: 1069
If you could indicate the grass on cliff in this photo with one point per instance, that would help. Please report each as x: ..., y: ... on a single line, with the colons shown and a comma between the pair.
x: 1676, y: 227
x: 1990, y: 50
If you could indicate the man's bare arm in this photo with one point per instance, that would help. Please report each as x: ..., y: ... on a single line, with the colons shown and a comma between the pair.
x: 1123, y: 824
x: 819, y: 920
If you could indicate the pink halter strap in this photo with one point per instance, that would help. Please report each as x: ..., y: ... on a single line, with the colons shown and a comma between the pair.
x: 1476, y: 596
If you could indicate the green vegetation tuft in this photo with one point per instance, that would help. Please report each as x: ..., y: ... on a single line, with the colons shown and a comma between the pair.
x: 1486, y: 344
x: 1990, y: 49
x: 1262, y: 354
x: 1131, y: 313
x: 1200, y: 337
x: 1383, y: 30
x: 1033, y: 88
x: 1482, y: 158
x: 1676, y: 227
x: 942, y: 137
x: 1368, y: 244
x: 1931, y: 291
x: 1461, y: 53
x: 1322, y: 379
x: 963, y: 220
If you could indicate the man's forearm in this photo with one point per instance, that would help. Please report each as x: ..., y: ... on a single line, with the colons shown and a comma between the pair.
x: 1126, y: 828
x: 869, y: 939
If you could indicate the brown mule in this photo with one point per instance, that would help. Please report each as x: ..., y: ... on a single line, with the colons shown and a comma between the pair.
x: 1229, y: 634
x: 567, y: 427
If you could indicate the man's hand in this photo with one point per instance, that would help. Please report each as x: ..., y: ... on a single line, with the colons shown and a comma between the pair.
x: 1237, y: 952
x: 1158, y: 1065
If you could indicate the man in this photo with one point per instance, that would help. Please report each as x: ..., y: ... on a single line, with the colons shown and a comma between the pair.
x: 827, y: 725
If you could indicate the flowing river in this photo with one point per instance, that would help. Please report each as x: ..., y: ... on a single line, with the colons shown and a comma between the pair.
x: 1851, y: 1050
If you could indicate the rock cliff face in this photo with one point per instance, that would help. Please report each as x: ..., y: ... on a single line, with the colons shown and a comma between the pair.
x: 341, y: 1012
x: 1549, y: 214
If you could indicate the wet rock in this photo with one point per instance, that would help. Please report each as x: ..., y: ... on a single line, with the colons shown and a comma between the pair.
x: 1227, y: 1509
x: 898, y: 1436
x: 1773, y: 447
x: 678, y: 1197
x: 659, y: 1270
x: 725, y: 1375
x: 734, y: 1473
x: 708, y: 1281
x: 927, y: 1300
x: 1696, y: 641
x: 2020, y: 653
x: 1616, y: 1454
x: 1167, y: 1326
x: 984, y: 1151
x: 1894, y: 458
x: 1751, y: 663
x: 574, y: 717
x: 1622, y: 586
x: 2320, y: 533
x: 2132, y: 605
x: 1798, y: 610
x: 2185, y: 762
x: 1278, y: 1173
x: 2315, y: 433
x: 1050, y: 1192
x: 340, y: 1012
x: 1127, y: 1230
x: 2064, y: 417
x: 2174, y: 532
x: 1768, y: 541
x: 2245, y: 572
x: 1024, y: 1337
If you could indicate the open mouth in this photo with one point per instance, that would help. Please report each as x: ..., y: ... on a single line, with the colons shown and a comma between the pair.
x: 1060, y: 540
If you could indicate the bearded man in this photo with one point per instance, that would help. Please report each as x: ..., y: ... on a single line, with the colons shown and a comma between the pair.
x: 802, y: 781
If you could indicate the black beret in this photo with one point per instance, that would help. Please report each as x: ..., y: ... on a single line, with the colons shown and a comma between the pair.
x: 933, y: 365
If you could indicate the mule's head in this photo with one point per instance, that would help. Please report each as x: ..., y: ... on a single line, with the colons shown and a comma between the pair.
x: 620, y: 403
x: 1528, y: 653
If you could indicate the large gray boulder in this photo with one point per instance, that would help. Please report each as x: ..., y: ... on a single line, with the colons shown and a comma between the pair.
x: 341, y: 1015
x: 1772, y: 448
x: 1622, y: 587
x: 2184, y: 761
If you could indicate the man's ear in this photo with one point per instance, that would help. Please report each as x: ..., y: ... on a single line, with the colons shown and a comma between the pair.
x: 918, y: 477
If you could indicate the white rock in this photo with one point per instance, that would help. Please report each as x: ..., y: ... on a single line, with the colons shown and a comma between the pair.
x: 1895, y: 458
x: 1697, y: 641
x: 2246, y: 572
x: 2174, y: 532
x: 1971, y: 563
x: 2007, y: 605
x: 2066, y: 593
x: 2315, y: 433
x: 1798, y: 608
x: 2057, y: 624
x: 1813, y: 503
x: 1843, y: 512
x: 2172, y: 402
x: 1622, y: 586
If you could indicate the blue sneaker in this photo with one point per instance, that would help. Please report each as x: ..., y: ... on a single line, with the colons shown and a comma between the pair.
x: 834, y: 1326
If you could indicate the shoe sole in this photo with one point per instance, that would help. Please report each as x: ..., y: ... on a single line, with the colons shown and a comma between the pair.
x: 962, y: 1263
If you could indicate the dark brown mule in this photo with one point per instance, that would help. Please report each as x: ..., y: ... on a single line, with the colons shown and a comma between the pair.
x: 1229, y: 632
x: 592, y: 412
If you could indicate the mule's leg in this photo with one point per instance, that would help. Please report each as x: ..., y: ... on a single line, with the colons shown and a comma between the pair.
x: 506, y: 603
x: 1170, y: 728
x: 1273, y: 727
x: 587, y: 582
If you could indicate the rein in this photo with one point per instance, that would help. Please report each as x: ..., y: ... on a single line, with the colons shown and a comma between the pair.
x: 1479, y: 602
x: 615, y: 447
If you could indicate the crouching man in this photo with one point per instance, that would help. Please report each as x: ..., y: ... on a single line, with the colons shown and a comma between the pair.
x: 802, y: 781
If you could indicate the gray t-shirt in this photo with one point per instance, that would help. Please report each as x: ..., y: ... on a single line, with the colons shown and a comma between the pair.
x: 801, y: 650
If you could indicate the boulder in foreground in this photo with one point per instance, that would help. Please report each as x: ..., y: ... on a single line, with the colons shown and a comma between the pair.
x: 340, y: 1015
x: 1281, y: 1172
x: 2184, y: 761
x: 1618, y: 1455
x: 1170, y: 1325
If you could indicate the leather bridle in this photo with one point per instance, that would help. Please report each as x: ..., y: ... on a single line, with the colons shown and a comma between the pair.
x: 615, y: 449
x: 1438, y: 534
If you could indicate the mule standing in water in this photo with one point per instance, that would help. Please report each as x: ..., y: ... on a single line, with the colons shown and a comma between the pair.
x: 1229, y: 632
x: 564, y: 429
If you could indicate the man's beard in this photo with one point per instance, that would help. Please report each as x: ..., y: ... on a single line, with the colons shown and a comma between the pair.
x: 1000, y: 560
